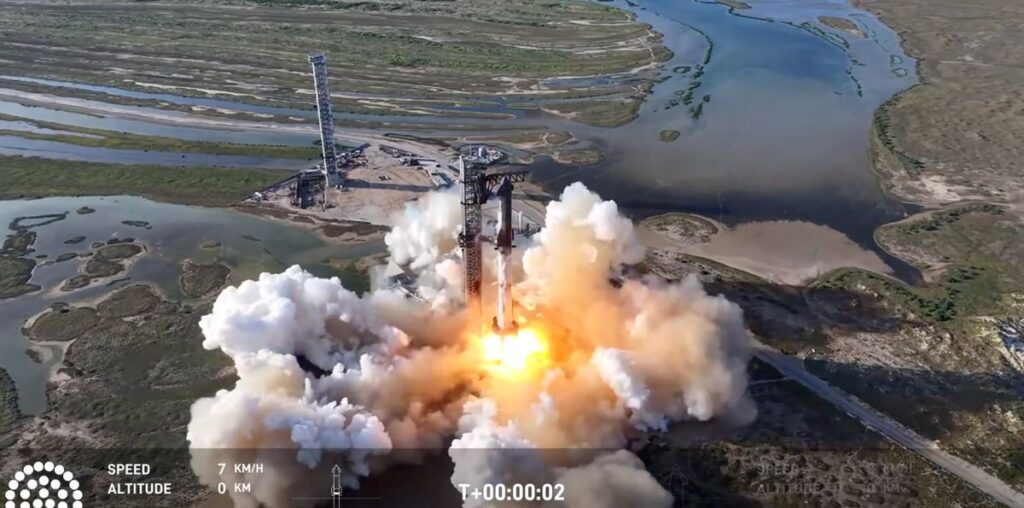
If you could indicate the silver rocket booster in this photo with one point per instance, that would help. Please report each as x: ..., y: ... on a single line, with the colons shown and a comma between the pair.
x: 503, y: 321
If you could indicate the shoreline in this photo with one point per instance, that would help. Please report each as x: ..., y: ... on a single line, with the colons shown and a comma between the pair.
x: 930, y: 184
x: 316, y: 225
x: 787, y: 251
x: 787, y: 275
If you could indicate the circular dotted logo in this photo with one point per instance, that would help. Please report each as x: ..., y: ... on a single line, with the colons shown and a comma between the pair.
x: 43, y: 485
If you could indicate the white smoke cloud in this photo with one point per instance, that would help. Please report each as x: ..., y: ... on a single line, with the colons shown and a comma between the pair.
x: 612, y: 481
x: 426, y: 230
x: 401, y: 374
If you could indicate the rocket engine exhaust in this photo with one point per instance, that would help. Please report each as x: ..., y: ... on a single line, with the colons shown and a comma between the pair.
x: 503, y: 320
x: 591, y: 366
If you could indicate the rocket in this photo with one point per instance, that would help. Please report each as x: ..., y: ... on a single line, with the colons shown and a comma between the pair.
x: 503, y: 322
x: 336, y: 488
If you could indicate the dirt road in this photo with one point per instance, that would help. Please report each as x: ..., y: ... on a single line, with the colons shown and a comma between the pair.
x: 793, y: 368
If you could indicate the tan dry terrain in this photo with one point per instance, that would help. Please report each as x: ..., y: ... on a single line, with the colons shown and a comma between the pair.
x: 959, y: 132
x: 786, y: 252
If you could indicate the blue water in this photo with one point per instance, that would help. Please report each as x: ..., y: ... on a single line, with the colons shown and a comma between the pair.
x: 147, y: 128
x: 249, y: 244
x: 785, y: 134
x: 439, y: 114
x: 11, y: 145
x: 171, y: 98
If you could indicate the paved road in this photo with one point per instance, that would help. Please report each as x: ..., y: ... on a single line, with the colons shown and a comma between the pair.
x: 793, y: 368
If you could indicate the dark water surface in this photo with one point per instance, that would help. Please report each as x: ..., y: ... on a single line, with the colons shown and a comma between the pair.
x: 785, y: 134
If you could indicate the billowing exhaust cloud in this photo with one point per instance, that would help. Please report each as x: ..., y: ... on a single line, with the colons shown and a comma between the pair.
x: 322, y: 370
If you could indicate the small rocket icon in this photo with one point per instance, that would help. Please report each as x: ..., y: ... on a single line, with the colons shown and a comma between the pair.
x: 336, y: 489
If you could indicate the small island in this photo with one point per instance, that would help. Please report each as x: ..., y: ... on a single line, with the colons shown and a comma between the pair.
x: 842, y: 24
x: 583, y: 157
x: 668, y: 135
x: 735, y: 4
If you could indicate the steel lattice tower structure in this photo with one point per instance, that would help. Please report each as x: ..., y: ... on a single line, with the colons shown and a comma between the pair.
x: 323, y: 107
x: 469, y: 239
x: 477, y: 187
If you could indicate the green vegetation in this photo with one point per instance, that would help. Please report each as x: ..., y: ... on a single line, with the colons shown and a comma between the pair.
x: 101, y: 268
x: 611, y: 113
x: 118, y: 251
x: 968, y: 248
x: 697, y: 111
x: 393, y: 47
x: 973, y: 248
x: 940, y: 219
x: 686, y: 99
x: 76, y: 282
x: 521, y: 138
x: 684, y: 228
x: 558, y: 137
x: 882, y: 130
x: 686, y: 95
x: 710, y: 50
x: 136, y: 223
x: 104, y: 262
x: 16, y: 270
x: 198, y: 280
x: 63, y: 323
x: 734, y: 4
x: 944, y: 352
x: 841, y: 24
x: 15, y: 273
x: 130, y: 301
x: 123, y: 140
x: 35, y: 221
x: 798, y: 441
x: 962, y: 293
x: 149, y: 352
x: 34, y: 177
x: 10, y: 416
x: 352, y: 229
x: 668, y: 135
x: 444, y: 52
x: 961, y: 125
x: 19, y: 242
x: 583, y: 157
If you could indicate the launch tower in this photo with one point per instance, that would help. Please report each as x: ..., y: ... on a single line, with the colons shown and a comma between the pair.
x: 477, y: 187
x: 332, y: 177
x: 469, y: 239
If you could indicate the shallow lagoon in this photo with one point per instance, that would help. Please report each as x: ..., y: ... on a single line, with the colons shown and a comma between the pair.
x: 175, y: 232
